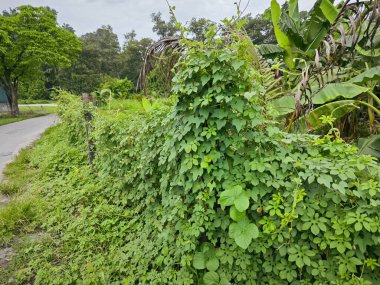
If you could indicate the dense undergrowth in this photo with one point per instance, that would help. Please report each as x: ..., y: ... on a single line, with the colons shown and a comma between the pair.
x: 200, y: 189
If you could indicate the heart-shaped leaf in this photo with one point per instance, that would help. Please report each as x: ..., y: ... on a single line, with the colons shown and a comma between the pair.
x: 243, y: 232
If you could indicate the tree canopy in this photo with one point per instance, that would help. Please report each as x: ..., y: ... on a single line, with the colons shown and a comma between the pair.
x: 30, y: 37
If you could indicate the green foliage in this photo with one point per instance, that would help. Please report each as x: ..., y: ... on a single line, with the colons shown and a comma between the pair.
x: 70, y: 109
x: 132, y: 56
x: 99, y: 59
x: 119, y: 88
x: 301, y: 36
x: 208, y: 191
x: 29, y: 39
x: 8, y: 119
x: 7, y: 188
x: 18, y: 216
x: 163, y: 28
x: 260, y: 29
x: 327, y: 58
x: 23, y: 212
x: 333, y: 91
x: 370, y: 146
x: 33, y: 90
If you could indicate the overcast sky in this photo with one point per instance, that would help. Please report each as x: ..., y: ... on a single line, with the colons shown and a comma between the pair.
x: 126, y: 15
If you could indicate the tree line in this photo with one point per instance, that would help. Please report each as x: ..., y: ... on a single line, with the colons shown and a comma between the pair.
x: 38, y: 55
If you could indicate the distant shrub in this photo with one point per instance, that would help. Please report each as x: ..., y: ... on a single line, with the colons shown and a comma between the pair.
x: 119, y: 88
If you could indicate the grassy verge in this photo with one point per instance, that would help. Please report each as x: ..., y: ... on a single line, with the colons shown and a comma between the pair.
x: 21, y: 218
x: 24, y: 221
x: 38, y: 109
x: 41, y: 101
x: 7, y: 119
x: 65, y: 222
x: 27, y: 112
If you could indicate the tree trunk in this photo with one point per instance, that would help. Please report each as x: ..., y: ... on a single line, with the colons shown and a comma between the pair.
x: 13, y: 101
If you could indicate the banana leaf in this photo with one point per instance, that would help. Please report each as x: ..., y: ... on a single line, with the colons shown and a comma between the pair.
x: 291, y: 28
x: 269, y: 49
x: 282, y: 39
x: 284, y: 105
x: 334, y: 91
x: 338, y: 109
x: 368, y: 75
x: 294, y: 11
x: 316, y: 27
x: 366, y: 52
x: 370, y: 146
x: 329, y: 10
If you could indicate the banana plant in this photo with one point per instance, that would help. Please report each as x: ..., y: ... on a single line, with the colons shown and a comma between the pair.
x: 370, y: 146
x: 340, y: 99
x: 297, y: 38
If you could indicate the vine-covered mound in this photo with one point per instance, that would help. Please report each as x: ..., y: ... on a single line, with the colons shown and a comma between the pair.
x: 218, y: 194
x: 214, y: 193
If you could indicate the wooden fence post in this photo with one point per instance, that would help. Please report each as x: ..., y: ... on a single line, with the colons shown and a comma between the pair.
x: 87, y: 98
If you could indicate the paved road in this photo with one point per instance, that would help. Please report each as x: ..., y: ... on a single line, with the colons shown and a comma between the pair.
x: 16, y: 136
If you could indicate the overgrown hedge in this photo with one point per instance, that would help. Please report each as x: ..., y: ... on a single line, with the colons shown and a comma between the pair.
x: 211, y: 191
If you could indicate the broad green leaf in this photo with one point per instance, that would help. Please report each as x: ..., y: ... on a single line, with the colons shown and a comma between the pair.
x: 242, y: 202
x: 306, y: 226
x: 220, y: 124
x: 316, y: 29
x: 239, y: 123
x: 217, y: 77
x: 370, y: 52
x: 282, y: 39
x: 372, y: 74
x: 333, y: 91
x: 370, y: 146
x: 236, y: 64
x: 211, y: 278
x: 205, y: 79
x: 212, y: 264
x: 269, y: 49
x: 238, y: 104
x: 235, y: 196
x: 236, y: 215
x: 199, y: 260
x: 228, y: 197
x: 329, y: 10
x: 284, y: 105
x: 294, y: 11
x: 224, y: 281
x: 337, y: 109
x: 358, y: 227
x: 243, y: 232
x: 315, y: 229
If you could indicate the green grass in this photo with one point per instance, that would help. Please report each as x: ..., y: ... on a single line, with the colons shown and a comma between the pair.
x: 27, y: 112
x: 7, y: 119
x: 19, y: 214
x: 38, y: 109
x: 38, y: 101
x: 21, y: 217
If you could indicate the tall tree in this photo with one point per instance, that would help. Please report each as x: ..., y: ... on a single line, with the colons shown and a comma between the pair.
x: 98, y: 59
x: 100, y: 50
x: 197, y: 27
x: 132, y: 56
x: 260, y: 28
x: 163, y: 28
x: 29, y: 39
